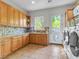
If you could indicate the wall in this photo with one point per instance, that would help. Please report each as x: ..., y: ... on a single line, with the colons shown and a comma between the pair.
x: 47, y: 13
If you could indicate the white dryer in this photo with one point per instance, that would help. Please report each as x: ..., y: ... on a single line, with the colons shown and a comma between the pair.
x: 70, y: 47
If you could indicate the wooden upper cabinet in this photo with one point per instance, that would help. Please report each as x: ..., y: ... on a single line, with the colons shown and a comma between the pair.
x: 24, y: 20
x: 16, y: 18
x: 69, y: 14
x: 10, y: 16
x: 21, y: 20
x: 3, y: 13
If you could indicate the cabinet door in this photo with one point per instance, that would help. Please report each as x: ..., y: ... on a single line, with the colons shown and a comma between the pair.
x: 19, y: 42
x: 33, y: 38
x: 39, y: 39
x: 16, y: 18
x: 45, y: 39
x: 21, y: 20
x: 30, y: 36
x: 1, y: 49
x: 7, y: 47
x: 25, y: 40
x: 36, y: 38
x: 10, y: 16
x: 69, y: 14
x: 24, y: 20
x: 3, y: 13
x: 14, y: 44
x: 27, y: 37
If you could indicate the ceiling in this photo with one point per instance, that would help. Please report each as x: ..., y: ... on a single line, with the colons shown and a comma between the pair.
x: 39, y: 4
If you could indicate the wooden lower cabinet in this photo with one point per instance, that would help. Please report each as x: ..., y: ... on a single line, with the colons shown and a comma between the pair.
x: 1, y: 49
x: 14, y: 44
x: 11, y: 44
x: 19, y: 42
x: 32, y: 38
x: 25, y: 40
x: 6, y: 46
x: 39, y: 39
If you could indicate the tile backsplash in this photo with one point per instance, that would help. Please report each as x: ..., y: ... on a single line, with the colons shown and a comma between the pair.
x: 12, y: 31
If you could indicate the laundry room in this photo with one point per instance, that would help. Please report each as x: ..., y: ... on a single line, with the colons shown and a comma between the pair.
x: 39, y: 29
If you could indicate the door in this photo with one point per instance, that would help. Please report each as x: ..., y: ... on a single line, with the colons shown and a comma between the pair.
x: 55, y: 30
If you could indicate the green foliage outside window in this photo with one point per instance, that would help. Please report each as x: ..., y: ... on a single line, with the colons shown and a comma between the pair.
x: 56, y: 22
x: 39, y: 23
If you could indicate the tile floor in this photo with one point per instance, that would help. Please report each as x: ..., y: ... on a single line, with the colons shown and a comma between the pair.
x: 39, y: 52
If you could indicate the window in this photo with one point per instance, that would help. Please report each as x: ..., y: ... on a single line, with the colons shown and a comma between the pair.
x: 56, y: 21
x: 39, y: 21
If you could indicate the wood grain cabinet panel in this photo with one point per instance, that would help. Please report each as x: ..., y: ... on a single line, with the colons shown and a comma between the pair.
x: 32, y: 38
x: 16, y: 18
x: 10, y: 16
x: 25, y: 40
x: 69, y: 14
x: 3, y: 13
x: 21, y: 19
x: 39, y: 39
x: 19, y: 42
x: 14, y: 44
x: 24, y: 20
x: 6, y: 47
x: 1, y: 49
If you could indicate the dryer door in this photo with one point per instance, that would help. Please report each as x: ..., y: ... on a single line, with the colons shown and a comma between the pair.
x: 73, y: 43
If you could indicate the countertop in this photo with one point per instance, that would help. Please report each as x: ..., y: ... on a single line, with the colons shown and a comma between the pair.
x: 38, y: 32
x: 14, y: 35
x: 25, y: 34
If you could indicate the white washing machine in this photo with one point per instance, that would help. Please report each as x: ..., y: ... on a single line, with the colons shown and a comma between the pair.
x: 67, y: 46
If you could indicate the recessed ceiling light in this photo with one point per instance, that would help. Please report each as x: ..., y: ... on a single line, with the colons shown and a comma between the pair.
x: 33, y: 2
